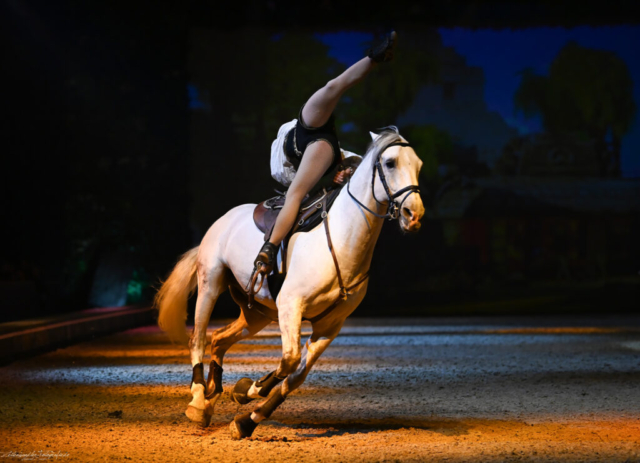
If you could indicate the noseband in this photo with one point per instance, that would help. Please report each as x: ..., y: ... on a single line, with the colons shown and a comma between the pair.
x: 393, y: 207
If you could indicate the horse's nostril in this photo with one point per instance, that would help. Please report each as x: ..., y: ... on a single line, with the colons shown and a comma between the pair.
x: 406, y: 211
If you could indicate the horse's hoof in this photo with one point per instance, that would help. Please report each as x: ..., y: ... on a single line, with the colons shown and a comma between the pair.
x: 235, y: 433
x: 242, y: 426
x: 240, y: 391
x: 198, y: 415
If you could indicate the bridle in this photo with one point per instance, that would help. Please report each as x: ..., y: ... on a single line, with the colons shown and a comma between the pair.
x: 393, y: 207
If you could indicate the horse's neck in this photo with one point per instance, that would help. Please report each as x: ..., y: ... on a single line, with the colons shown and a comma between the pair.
x: 354, y: 231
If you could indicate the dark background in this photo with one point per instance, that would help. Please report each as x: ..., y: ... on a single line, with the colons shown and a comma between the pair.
x: 129, y: 127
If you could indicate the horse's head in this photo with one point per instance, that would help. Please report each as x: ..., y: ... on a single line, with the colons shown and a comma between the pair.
x: 395, y: 172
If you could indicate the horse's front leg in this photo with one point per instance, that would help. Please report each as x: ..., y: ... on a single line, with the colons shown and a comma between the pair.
x: 290, y: 320
x: 244, y: 425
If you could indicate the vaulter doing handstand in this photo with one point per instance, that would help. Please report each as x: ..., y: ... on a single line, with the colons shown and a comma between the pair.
x: 307, y: 148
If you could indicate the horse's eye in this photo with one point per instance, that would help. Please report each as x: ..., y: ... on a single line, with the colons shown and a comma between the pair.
x: 390, y: 163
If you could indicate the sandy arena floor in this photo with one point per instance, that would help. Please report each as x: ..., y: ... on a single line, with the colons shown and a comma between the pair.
x: 492, y: 389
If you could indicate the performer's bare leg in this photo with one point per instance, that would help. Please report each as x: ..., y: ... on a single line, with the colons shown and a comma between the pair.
x: 316, y: 160
x: 318, y: 109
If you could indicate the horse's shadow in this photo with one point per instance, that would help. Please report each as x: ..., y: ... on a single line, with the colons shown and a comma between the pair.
x: 342, y: 427
x: 306, y: 431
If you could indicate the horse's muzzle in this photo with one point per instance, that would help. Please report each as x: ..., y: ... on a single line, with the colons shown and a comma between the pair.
x: 410, y: 220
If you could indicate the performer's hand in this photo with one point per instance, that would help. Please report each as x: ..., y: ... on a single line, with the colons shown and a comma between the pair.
x: 342, y: 176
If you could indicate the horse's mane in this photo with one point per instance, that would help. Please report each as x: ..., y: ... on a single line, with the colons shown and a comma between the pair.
x: 387, y: 135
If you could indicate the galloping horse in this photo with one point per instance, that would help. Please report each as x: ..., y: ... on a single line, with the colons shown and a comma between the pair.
x: 326, y: 281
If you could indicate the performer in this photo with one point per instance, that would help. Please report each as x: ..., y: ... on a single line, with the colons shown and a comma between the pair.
x: 307, y: 148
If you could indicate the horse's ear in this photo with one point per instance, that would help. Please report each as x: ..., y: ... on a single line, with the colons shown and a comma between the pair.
x: 374, y: 136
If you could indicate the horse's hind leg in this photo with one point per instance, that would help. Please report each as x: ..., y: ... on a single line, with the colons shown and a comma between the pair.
x: 211, y: 283
x: 244, y: 425
x: 249, y: 323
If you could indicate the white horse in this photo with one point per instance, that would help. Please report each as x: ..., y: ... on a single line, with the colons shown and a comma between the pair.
x: 310, y: 291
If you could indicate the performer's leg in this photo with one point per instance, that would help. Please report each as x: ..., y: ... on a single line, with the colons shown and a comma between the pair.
x: 320, y: 106
x: 318, y: 109
x: 316, y: 160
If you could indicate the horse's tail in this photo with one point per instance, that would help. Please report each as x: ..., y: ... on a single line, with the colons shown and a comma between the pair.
x: 171, y: 299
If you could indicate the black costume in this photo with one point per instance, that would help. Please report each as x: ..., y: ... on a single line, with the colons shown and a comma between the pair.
x: 301, y: 136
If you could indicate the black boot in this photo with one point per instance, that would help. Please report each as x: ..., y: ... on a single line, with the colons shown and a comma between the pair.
x: 266, y: 258
x: 384, y: 51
